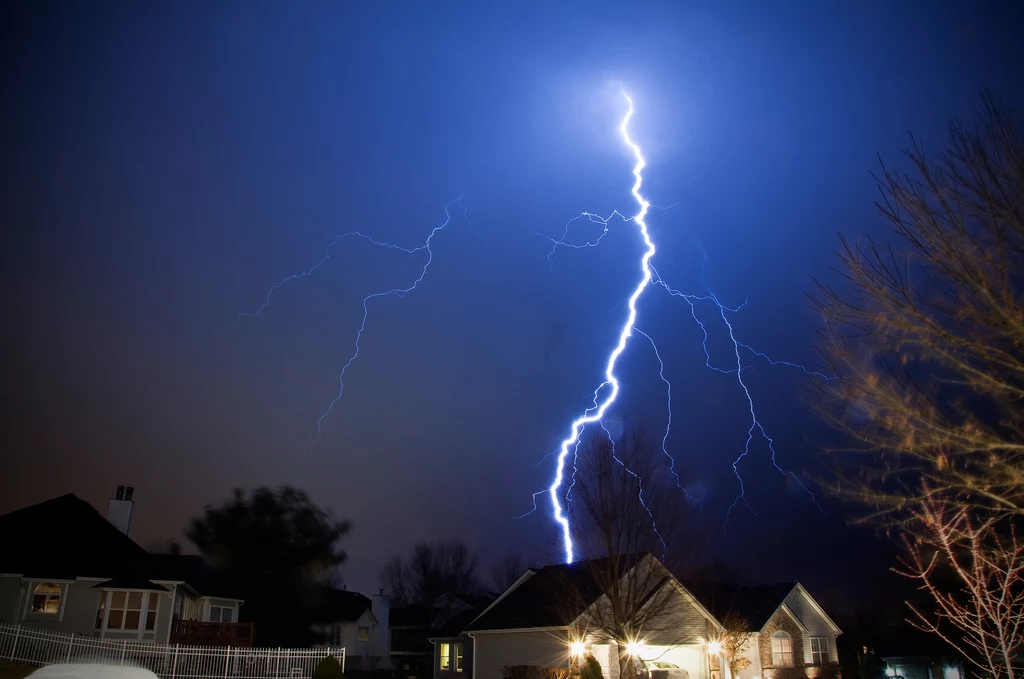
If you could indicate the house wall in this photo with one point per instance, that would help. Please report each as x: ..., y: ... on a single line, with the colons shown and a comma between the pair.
x: 816, y: 625
x: 494, y: 650
x: 10, y: 598
x: 780, y: 621
x: 751, y: 653
x: 78, y: 606
x: 680, y: 623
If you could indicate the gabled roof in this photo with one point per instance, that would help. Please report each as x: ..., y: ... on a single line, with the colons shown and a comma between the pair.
x: 65, y: 538
x: 553, y: 596
x: 346, y: 606
x: 755, y: 605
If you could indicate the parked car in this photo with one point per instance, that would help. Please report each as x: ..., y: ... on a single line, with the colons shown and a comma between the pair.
x: 91, y: 671
x: 659, y: 669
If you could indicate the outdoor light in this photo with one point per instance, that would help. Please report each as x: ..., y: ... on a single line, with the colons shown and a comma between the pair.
x: 714, y: 648
x: 634, y: 647
x: 577, y: 649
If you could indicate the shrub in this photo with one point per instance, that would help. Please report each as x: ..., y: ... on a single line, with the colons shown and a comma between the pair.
x: 591, y: 668
x: 329, y: 668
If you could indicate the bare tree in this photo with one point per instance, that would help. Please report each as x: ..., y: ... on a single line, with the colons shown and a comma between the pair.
x: 926, y: 336
x: 982, y: 615
x: 507, y: 571
x: 431, y: 570
x: 626, y: 511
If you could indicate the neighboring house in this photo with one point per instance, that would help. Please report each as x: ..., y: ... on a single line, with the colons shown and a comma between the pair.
x: 66, y: 568
x: 783, y: 625
x: 453, y: 650
x: 541, y: 620
x: 924, y: 667
x: 359, y: 624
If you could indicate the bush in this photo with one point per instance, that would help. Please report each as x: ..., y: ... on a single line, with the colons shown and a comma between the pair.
x: 329, y: 668
x: 591, y: 668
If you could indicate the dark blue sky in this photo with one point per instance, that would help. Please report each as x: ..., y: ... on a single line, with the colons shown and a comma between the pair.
x: 165, y: 163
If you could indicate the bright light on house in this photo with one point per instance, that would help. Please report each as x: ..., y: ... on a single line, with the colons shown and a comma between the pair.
x: 634, y: 647
x: 890, y: 671
x: 714, y: 648
x: 577, y: 649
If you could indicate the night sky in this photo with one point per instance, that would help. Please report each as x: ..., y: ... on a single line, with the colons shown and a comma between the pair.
x: 164, y: 164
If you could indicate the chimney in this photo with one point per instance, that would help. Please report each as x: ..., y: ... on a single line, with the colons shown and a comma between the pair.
x: 120, y: 512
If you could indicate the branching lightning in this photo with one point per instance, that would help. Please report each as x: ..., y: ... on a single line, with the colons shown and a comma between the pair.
x: 426, y: 247
x: 596, y: 413
x: 604, y: 398
x: 606, y: 393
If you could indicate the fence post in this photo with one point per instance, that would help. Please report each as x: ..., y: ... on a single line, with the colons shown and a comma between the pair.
x: 124, y: 649
x: 14, y: 646
x: 71, y: 641
x: 174, y: 662
x: 277, y: 662
x: 227, y: 662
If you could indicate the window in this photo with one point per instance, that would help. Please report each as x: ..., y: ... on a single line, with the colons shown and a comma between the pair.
x: 458, y: 657
x: 782, y: 650
x: 819, y: 651
x: 46, y: 598
x: 220, y: 614
x: 446, y: 656
x: 363, y: 634
x: 338, y: 629
x: 126, y: 610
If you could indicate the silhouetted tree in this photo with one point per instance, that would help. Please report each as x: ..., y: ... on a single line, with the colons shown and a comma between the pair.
x: 627, y: 513
x: 429, y: 571
x: 507, y: 571
x: 926, y: 337
x: 277, y: 548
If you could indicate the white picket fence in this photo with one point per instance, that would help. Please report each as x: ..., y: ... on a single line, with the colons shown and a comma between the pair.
x: 38, y: 647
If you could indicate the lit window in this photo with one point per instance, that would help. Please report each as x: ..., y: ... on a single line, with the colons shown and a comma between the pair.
x: 458, y: 657
x: 782, y: 650
x: 446, y: 656
x: 819, y: 651
x: 363, y: 634
x: 46, y: 598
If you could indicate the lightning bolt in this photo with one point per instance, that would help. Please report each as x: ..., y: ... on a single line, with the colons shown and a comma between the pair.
x: 596, y: 413
x: 608, y: 390
x: 425, y: 247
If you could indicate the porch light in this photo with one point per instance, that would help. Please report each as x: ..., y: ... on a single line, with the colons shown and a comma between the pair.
x: 634, y: 647
x: 714, y: 648
x: 577, y: 649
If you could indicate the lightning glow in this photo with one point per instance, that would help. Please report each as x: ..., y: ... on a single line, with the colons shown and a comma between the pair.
x: 596, y: 413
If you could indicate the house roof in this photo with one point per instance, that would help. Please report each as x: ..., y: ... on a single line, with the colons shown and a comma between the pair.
x: 66, y: 538
x: 553, y: 596
x: 345, y: 606
x: 755, y: 605
x: 132, y: 582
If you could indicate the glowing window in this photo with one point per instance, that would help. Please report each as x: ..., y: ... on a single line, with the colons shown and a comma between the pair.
x: 458, y: 657
x: 782, y: 650
x: 46, y: 598
x: 446, y: 656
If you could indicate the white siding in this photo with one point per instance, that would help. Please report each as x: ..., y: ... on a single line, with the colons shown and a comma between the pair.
x: 816, y: 625
x: 679, y: 623
x: 494, y: 650
x: 750, y: 651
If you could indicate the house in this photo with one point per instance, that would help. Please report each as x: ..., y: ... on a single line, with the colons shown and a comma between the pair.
x: 543, y: 620
x: 781, y: 626
x: 360, y: 625
x: 65, y: 568
x: 453, y: 651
